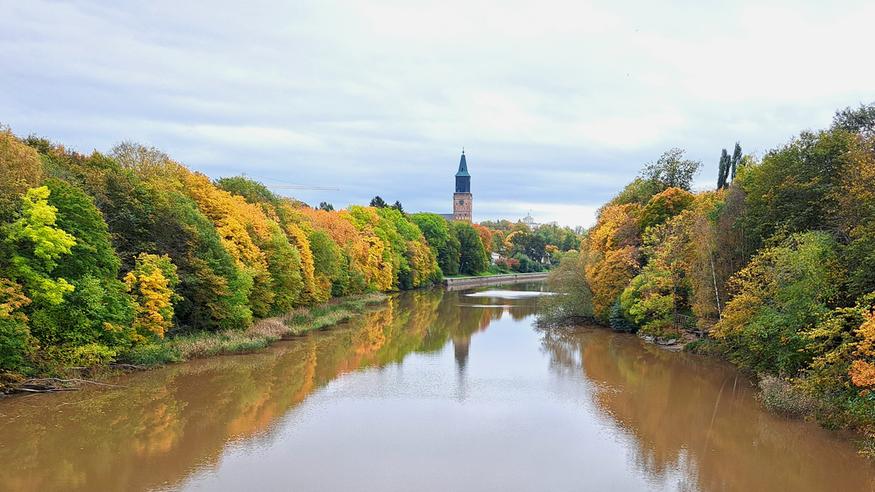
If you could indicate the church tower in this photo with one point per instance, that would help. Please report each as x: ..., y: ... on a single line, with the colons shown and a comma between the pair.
x: 462, y: 198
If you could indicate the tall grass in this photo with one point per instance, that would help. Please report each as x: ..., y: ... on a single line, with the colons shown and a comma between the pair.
x: 256, y: 337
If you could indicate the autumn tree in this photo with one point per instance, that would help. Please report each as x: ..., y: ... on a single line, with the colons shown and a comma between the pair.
x: 151, y: 284
x: 781, y: 292
x: 22, y: 170
x: 16, y: 342
x: 613, y: 256
x: 663, y: 206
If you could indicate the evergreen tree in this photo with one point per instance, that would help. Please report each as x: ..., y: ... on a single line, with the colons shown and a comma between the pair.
x: 378, y: 202
x: 736, y: 160
x: 723, y: 169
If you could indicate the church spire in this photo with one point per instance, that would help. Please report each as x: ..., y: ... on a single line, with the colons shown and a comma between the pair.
x: 462, y: 198
x: 463, y: 166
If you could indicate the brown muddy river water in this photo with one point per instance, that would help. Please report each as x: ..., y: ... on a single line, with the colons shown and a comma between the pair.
x: 437, y: 390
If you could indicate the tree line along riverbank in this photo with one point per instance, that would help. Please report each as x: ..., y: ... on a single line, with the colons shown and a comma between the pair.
x: 775, y: 266
x: 124, y: 257
x: 188, y: 346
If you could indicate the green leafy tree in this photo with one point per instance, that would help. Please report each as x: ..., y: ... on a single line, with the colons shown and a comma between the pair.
x: 472, y: 256
x: 568, y: 280
x: 33, y: 246
x: 98, y: 313
x: 284, y: 264
x: 327, y: 259
x: 531, y: 245
x: 672, y: 170
x: 525, y: 264
x: 93, y: 253
x: 441, y: 240
x: 16, y: 342
x: 252, y: 191
x: 214, y: 291
x: 796, y: 188
x: 638, y: 191
x: 860, y: 120
x: 783, y: 291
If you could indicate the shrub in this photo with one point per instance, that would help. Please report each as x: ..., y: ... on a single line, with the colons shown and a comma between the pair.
x: 152, y: 354
x: 780, y: 396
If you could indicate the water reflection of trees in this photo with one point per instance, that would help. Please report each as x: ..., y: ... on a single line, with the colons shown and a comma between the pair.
x: 698, y: 417
x: 166, y: 423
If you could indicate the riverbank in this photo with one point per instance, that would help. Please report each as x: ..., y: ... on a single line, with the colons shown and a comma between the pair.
x: 454, y: 283
x: 777, y: 395
x: 258, y: 336
x: 203, y: 344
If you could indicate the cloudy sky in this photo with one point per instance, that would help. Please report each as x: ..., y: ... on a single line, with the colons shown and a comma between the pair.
x: 558, y: 104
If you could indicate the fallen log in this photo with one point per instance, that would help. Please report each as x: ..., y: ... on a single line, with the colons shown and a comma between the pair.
x: 51, y: 385
x: 40, y: 390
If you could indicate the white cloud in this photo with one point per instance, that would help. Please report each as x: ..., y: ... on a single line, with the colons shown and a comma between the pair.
x: 557, y: 99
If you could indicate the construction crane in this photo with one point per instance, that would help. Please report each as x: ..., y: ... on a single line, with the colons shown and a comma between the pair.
x: 300, y: 187
x: 289, y: 186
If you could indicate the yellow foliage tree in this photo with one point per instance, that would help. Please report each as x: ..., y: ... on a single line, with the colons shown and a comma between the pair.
x: 612, y: 259
x: 21, y: 170
x: 370, y: 259
x: 312, y: 292
x: 234, y: 218
x: 151, y: 285
x: 862, y: 371
x: 422, y: 261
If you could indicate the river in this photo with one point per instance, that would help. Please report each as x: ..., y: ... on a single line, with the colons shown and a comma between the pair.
x: 433, y: 391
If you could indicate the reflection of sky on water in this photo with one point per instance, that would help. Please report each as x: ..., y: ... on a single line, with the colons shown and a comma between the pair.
x: 508, y: 294
x: 487, y: 305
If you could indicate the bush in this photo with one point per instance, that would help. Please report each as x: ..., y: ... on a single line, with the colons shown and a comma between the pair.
x: 618, y: 320
x: 573, y: 298
x: 780, y: 396
x: 152, y: 354
x: 526, y: 264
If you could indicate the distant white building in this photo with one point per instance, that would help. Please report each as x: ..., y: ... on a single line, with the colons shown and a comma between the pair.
x: 530, y: 221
